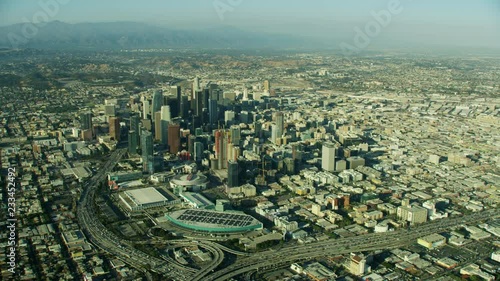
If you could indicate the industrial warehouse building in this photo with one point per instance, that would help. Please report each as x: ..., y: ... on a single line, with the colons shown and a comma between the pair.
x: 214, y: 221
x: 432, y: 241
x: 140, y: 199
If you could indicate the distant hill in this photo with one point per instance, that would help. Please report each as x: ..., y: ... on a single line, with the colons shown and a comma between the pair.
x: 132, y: 35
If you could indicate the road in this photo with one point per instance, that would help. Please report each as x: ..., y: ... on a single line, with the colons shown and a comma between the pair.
x: 99, y: 236
x: 369, y: 242
x: 214, y: 248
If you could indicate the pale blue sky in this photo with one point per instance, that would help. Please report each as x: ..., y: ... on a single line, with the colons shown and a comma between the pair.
x: 453, y: 12
x: 468, y: 20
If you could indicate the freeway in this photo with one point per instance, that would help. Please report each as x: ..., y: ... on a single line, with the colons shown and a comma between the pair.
x: 217, y: 260
x: 369, y: 242
x: 99, y: 236
x: 213, y: 248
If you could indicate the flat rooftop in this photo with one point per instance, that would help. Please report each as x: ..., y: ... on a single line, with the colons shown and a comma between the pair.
x: 145, y: 196
x: 198, y: 199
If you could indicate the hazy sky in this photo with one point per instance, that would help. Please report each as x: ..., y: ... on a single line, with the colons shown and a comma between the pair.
x: 470, y: 21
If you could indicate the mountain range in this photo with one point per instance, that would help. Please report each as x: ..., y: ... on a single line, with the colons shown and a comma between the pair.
x: 133, y: 35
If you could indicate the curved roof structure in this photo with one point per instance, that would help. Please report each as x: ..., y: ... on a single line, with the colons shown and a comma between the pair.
x: 214, y: 221
x: 189, y: 179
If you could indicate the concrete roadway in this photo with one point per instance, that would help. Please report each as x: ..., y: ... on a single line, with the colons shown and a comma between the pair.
x: 98, y: 235
x: 369, y: 242
x: 124, y: 250
x: 213, y: 248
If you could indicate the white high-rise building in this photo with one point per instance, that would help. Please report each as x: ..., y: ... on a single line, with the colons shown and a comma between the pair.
x: 145, y: 109
x: 196, y: 84
x: 329, y: 153
x: 245, y: 94
x: 165, y: 113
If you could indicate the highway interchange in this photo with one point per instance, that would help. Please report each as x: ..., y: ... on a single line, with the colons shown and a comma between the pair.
x: 369, y: 242
x: 124, y: 250
x: 99, y: 236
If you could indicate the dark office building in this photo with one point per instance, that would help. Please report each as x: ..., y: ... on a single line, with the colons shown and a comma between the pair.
x: 174, y: 106
x: 157, y: 103
x: 86, y: 121
x: 147, y: 151
x: 213, y: 112
x: 176, y: 91
x: 135, y: 125
x: 132, y: 142
x: 232, y: 174
x: 184, y: 107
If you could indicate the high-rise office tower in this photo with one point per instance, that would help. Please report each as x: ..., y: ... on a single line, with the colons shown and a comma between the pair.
x: 198, y: 151
x: 165, y: 113
x: 220, y: 147
x: 246, y: 117
x: 245, y: 94
x: 191, y: 141
x: 176, y: 91
x: 198, y: 103
x: 165, y: 120
x: 147, y: 151
x: 196, y: 84
x: 280, y: 122
x: 229, y: 117
x: 229, y: 150
x: 110, y: 110
x: 340, y: 165
x: 235, y: 131
x: 205, y: 96
x: 236, y: 153
x: 213, y: 112
x: 157, y: 102
x: 329, y: 152
x: 289, y: 164
x: 157, y: 123
x: 267, y: 86
x: 232, y: 174
x: 86, y: 121
x: 184, y: 107
x: 174, y: 138
x: 135, y: 125
x: 274, y: 133
x: 146, y: 109
x: 258, y: 129
x: 132, y: 142
x: 220, y: 96
x: 114, y: 128
x: 174, y: 106
x: 295, y: 148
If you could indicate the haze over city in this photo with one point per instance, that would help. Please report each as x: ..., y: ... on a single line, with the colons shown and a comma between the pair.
x: 242, y: 140
x: 424, y: 23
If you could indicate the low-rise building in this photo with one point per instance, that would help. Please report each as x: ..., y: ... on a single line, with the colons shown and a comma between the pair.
x: 432, y: 241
